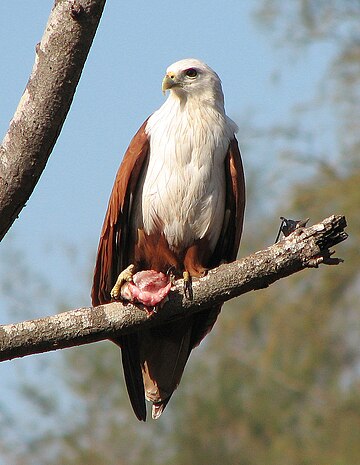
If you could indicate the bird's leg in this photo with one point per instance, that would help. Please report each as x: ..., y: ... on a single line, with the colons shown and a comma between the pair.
x: 188, y: 291
x: 124, y: 277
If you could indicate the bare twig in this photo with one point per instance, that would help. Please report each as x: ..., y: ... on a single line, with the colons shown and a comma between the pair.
x: 41, y: 112
x: 304, y: 248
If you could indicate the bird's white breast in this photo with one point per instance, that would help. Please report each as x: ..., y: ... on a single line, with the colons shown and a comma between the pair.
x: 183, y: 192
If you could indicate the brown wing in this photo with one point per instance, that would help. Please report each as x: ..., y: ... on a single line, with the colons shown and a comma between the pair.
x: 113, y: 244
x: 228, y: 244
x: 113, y: 257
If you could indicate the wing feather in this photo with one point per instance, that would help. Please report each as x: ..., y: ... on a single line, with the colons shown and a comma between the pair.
x: 228, y: 243
x: 112, y: 256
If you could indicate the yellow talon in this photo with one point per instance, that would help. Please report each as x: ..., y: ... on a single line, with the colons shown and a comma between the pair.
x: 125, y: 276
x: 187, y: 285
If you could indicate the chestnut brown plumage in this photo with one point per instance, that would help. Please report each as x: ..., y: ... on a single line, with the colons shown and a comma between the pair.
x: 177, y: 203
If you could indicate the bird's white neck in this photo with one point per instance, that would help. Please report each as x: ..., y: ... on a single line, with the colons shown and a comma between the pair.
x: 184, y: 185
x: 191, y: 114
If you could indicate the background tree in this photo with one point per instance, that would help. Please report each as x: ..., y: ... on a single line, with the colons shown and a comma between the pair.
x: 277, y: 381
x: 283, y: 383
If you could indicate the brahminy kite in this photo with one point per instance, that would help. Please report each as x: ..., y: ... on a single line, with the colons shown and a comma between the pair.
x: 177, y: 206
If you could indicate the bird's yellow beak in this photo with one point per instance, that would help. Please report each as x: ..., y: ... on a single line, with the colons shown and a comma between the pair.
x: 168, y: 82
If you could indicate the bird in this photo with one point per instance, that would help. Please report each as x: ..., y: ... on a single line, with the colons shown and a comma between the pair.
x: 176, y: 207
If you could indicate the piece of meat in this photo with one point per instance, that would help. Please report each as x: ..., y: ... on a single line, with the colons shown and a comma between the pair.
x: 147, y: 287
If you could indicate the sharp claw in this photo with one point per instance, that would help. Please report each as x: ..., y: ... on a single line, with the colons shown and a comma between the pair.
x: 115, y: 292
x: 170, y: 273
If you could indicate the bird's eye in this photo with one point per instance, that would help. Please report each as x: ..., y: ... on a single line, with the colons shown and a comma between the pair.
x: 191, y: 73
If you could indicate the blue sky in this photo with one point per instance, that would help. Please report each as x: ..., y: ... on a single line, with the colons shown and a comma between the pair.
x: 57, y: 232
x: 119, y: 88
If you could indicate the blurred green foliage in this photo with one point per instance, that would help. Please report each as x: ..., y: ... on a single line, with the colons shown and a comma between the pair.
x: 277, y: 382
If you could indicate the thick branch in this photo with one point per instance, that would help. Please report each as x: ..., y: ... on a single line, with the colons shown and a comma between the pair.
x: 60, y: 58
x: 306, y: 247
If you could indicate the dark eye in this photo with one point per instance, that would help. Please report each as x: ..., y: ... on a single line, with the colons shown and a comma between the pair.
x: 191, y: 73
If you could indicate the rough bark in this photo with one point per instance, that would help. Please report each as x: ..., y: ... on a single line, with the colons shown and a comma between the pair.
x: 42, y: 109
x: 304, y: 248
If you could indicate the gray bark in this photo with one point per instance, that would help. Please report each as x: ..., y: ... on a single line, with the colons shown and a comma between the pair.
x: 304, y: 248
x: 36, y: 125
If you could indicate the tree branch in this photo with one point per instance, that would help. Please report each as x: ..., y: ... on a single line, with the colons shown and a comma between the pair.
x: 36, y: 125
x: 304, y: 248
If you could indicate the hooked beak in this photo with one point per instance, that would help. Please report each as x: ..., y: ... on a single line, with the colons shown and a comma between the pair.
x: 169, y: 81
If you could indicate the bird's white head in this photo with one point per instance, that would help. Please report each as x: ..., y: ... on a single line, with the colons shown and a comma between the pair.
x: 193, y: 79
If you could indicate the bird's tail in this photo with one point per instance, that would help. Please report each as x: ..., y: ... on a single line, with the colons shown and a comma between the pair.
x: 164, y: 352
x: 132, y: 373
